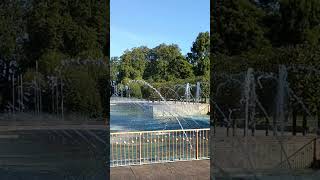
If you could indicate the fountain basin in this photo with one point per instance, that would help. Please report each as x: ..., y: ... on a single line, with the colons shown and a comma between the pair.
x: 179, y: 109
x: 129, y: 115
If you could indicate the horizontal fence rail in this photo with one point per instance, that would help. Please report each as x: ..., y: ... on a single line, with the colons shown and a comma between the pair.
x: 147, y: 147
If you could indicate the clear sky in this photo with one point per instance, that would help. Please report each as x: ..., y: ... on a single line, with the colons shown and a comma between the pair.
x: 149, y: 23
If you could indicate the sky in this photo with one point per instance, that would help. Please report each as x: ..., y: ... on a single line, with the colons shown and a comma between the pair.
x: 135, y: 23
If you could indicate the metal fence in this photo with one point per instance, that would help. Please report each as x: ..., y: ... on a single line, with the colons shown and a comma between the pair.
x: 147, y: 147
x: 302, y: 158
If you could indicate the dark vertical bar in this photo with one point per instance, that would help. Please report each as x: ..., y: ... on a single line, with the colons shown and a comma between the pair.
x: 228, y: 129
x: 314, y: 151
x: 52, y: 94
x: 22, y: 96
x: 267, y: 126
x: 107, y: 112
x: 233, y: 127
x: 18, y: 94
x: 214, y: 121
x: 318, y: 117
x: 213, y: 29
x: 275, y: 128
x: 294, y: 122
x: 13, y: 94
x: 252, y: 129
x: 304, y: 124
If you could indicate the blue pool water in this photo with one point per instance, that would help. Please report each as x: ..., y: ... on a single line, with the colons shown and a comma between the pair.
x: 132, y: 117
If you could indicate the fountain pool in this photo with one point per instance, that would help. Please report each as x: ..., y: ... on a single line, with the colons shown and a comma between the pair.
x: 128, y: 116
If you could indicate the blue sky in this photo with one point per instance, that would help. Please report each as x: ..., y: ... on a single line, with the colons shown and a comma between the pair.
x: 135, y: 23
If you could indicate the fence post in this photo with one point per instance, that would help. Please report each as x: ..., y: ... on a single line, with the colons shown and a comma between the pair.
x: 197, y: 152
x: 140, y: 148
x: 315, y: 150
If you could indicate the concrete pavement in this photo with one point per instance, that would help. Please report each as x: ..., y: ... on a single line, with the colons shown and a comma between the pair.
x: 184, y: 170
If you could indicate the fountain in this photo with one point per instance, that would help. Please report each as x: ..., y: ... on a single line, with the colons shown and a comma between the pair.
x: 264, y: 95
x: 164, y: 114
x: 250, y: 98
x: 250, y: 101
x: 114, y: 89
x: 187, y: 92
x: 198, y: 90
x: 149, y: 85
x: 281, y: 101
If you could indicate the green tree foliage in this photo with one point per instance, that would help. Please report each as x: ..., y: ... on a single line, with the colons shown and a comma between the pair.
x: 133, y: 63
x: 50, y: 61
x: 164, y: 66
x: 11, y: 28
x: 163, y: 60
x: 300, y: 21
x: 180, y: 68
x: 82, y: 94
x: 264, y: 34
x: 238, y: 27
x: 135, y: 90
x: 200, y: 54
x: 73, y: 28
x: 11, y: 43
x: 60, y: 36
x: 161, y: 63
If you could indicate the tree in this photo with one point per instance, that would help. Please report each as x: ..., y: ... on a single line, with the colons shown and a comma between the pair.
x: 180, y: 68
x: 238, y: 28
x: 82, y: 94
x: 73, y: 28
x: 11, y: 28
x: 133, y: 63
x: 12, y: 51
x: 161, y: 59
x: 200, y: 54
x: 300, y: 21
x: 54, y: 34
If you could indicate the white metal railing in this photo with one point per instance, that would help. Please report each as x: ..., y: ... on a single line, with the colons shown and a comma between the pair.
x: 147, y: 147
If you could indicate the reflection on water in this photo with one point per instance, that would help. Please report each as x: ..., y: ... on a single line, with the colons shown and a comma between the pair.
x: 131, y: 117
x: 52, y: 154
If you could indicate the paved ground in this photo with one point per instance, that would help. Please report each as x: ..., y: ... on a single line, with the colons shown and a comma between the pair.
x: 51, y: 127
x: 52, y: 154
x: 20, y: 125
x: 187, y: 170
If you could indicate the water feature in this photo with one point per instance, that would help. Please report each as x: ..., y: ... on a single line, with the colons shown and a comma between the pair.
x: 130, y: 116
x: 187, y: 92
x: 149, y: 85
x: 198, y: 91
x: 283, y: 97
x: 137, y: 115
x: 266, y: 101
x: 250, y: 101
x: 281, y: 105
